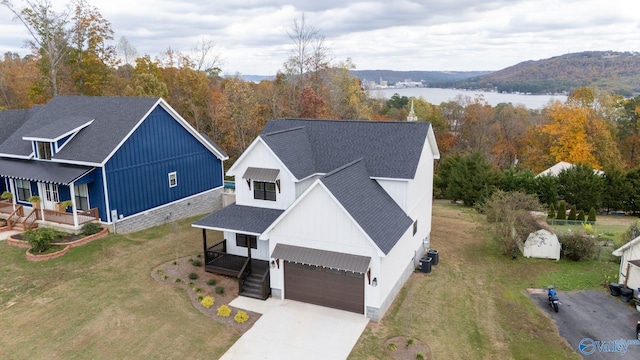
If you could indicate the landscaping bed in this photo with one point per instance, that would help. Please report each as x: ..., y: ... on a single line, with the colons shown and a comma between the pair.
x: 177, y: 273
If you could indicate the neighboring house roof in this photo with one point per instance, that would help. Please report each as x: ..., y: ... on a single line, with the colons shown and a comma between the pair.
x: 42, y: 171
x: 238, y: 218
x: 368, y: 203
x: 620, y: 251
x: 556, y: 169
x: 114, y: 119
x: 307, y: 147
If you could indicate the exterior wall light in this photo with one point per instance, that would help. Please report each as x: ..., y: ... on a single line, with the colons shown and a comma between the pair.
x: 374, y: 282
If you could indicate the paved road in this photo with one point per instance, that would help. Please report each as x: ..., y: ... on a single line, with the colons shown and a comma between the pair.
x: 597, y: 316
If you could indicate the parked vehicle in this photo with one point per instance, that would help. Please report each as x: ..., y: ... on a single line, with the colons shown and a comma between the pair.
x: 554, y: 301
x: 638, y: 330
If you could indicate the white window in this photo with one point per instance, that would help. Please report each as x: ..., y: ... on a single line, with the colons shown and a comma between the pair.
x: 44, y: 150
x: 51, y: 192
x: 173, y: 179
x: 23, y: 187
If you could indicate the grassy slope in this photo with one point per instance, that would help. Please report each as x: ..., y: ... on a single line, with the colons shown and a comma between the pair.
x: 99, y: 301
x: 472, y: 305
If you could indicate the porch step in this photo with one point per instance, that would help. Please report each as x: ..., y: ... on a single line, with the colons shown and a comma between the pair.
x: 252, y: 286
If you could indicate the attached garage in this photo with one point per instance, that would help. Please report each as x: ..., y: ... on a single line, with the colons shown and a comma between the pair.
x: 325, y: 278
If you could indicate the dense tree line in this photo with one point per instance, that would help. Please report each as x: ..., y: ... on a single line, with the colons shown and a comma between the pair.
x: 482, y: 147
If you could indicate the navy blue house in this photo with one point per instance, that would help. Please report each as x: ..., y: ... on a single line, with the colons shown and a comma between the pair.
x: 129, y: 162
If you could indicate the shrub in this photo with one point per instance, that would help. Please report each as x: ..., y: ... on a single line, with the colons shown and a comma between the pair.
x: 166, y: 277
x: 577, y: 247
x: 178, y: 280
x: 190, y: 283
x: 6, y: 196
x: 91, y: 228
x: 193, y: 276
x: 159, y: 271
x: 409, y: 342
x: 419, y: 356
x: 40, y: 239
x: 211, y: 282
x: 552, y: 212
x: 562, y: 211
x: 196, y: 263
x: 592, y: 215
x: 581, y: 216
x: 572, y: 213
x: 224, y: 311
x: 392, y: 347
x: 207, y: 301
x: 200, y: 297
x: 241, y: 317
x: 219, y: 290
x: 197, y: 290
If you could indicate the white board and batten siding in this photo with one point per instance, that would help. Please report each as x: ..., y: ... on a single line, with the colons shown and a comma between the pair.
x: 319, y: 222
x: 261, y: 253
x: 262, y: 157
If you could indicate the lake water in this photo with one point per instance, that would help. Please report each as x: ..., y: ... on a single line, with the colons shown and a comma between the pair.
x: 436, y: 96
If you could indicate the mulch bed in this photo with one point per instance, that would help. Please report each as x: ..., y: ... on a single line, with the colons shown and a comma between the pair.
x: 170, y: 271
x: 65, y: 239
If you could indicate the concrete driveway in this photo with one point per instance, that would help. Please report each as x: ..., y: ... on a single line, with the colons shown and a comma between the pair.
x: 596, y: 324
x: 293, y: 330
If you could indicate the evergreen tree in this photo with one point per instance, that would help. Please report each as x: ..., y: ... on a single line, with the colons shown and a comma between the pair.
x: 552, y: 212
x: 572, y: 213
x: 592, y: 215
x: 581, y: 216
x: 562, y: 211
x: 579, y: 185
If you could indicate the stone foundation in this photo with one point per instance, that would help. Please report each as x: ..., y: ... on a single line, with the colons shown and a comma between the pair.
x: 203, y: 203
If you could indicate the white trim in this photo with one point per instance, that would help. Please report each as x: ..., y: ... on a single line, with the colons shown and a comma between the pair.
x: 168, y: 204
x: 74, y: 162
x: 620, y: 251
x: 105, y: 192
x: 236, y: 231
x: 431, y: 138
x: 72, y: 192
x: 14, y: 156
x: 302, y: 196
x: 190, y: 129
x: 233, y: 168
x: 390, y: 179
x: 76, y: 130
x: 177, y: 118
x: 175, y: 179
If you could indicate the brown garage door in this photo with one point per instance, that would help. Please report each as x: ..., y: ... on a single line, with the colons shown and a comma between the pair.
x: 337, y: 289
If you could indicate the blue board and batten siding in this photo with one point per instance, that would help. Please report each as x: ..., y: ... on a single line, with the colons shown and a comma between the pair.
x: 138, y: 173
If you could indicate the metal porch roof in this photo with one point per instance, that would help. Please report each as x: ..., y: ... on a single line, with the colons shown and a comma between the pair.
x: 42, y: 171
x: 330, y: 259
x: 261, y: 174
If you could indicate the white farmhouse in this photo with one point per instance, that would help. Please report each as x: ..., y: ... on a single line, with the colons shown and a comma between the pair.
x: 334, y: 213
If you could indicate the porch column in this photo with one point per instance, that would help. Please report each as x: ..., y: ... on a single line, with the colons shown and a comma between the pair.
x: 204, y: 243
x: 73, y: 205
x: 12, y: 190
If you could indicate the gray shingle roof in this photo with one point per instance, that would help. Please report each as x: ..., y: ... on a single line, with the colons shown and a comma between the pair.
x: 43, y: 171
x: 240, y: 218
x: 368, y: 203
x: 59, y: 127
x: 389, y: 149
x: 114, y: 118
x: 10, y: 121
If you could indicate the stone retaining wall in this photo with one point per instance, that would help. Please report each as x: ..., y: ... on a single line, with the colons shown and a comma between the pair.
x: 203, y: 203
x: 54, y: 255
x: 87, y: 239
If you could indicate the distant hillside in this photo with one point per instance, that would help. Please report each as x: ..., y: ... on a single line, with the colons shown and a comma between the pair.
x: 617, y: 72
x: 426, y: 77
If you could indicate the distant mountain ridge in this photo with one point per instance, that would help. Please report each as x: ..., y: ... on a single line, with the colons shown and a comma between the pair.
x: 617, y: 72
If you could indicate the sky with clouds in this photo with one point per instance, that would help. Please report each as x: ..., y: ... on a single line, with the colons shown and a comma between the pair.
x: 251, y: 36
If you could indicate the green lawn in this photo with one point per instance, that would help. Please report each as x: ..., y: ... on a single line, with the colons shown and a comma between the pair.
x: 99, y: 300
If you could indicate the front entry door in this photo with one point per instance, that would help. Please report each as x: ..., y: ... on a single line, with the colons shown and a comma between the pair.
x: 50, y: 196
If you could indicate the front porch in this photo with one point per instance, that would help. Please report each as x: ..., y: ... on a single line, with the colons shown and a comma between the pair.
x: 21, y: 217
x: 252, y: 274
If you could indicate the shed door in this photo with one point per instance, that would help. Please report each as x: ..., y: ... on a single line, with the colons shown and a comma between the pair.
x: 317, y: 285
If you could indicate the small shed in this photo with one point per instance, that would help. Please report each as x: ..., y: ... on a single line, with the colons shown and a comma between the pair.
x: 542, y: 244
x: 629, y: 273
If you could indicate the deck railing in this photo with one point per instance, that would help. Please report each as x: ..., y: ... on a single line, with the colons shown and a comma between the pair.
x: 6, y: 207
x: 15, y: 216
x: 215, y: 251
x: 244, y: 273
x: 63, y: 217
x: 30, y: 220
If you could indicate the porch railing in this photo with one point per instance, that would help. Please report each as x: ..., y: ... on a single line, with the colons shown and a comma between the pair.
x: 244, y: 273
x: 266, y: 284
x: 15, y: 216
x: 215, y: 251
x: 30, y: 220
x: 62, y: 217
x: 6, y: 207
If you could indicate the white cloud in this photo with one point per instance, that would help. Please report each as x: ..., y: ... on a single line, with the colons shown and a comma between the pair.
x: 251, y: 35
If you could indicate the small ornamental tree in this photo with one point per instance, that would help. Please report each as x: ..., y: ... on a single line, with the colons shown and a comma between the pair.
x: 562, y: 211
x: 572, y: 213
x: 552, y: 212
x: 592, y: 215
x: 581, y: 216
